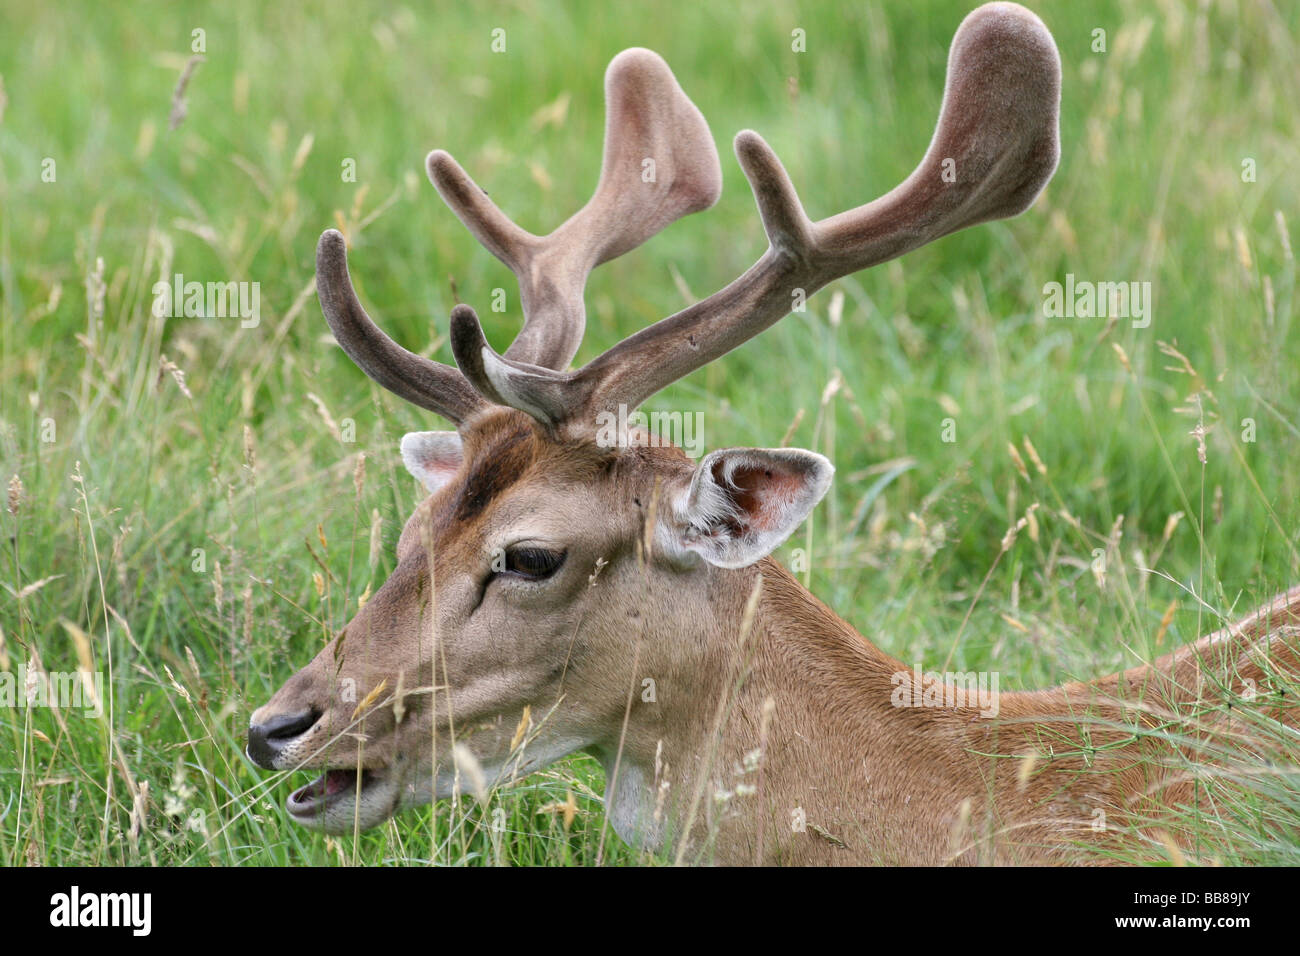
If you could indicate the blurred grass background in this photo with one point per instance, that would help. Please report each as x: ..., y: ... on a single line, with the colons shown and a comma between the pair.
x: 252, y: 467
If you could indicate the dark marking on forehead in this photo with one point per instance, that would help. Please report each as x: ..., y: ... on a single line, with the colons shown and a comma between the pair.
x: 505, y: 447
x: 493, y: 471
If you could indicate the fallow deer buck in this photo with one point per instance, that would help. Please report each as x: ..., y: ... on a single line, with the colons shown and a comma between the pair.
x: 617, y: 563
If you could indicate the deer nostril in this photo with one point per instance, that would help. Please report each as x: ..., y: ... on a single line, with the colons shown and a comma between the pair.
x: 267, y: 739
x: 290, y: 725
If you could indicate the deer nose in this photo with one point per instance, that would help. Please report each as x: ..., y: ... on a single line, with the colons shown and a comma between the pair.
x: 267, y: 739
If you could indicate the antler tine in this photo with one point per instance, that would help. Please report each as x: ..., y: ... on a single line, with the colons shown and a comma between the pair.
x: 659, y: 164
x: 432, y: 385
x: 995, y: 147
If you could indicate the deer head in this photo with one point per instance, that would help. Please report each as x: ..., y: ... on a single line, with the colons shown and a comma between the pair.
x: 547, y: 570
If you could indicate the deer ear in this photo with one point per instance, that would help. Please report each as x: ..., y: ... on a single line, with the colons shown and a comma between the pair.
x: 432, y: 457
x: 743, y: 502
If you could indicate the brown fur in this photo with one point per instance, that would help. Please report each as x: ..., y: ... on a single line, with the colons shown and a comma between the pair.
x: 892, y: 784
x: 739, y: 720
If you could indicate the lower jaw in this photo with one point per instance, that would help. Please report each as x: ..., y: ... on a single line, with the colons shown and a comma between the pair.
x: 331, y: 789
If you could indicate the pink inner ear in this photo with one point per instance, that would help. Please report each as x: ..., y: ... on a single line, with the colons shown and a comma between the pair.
x: 761, y: 493
x: 441, y: 461
x: 432, y: 457
x: 441, y: 468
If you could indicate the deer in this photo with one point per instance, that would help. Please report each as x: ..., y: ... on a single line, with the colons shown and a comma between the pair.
x: 547, y: 572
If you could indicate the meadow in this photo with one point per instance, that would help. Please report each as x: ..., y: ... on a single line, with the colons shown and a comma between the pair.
x: 187, y: 512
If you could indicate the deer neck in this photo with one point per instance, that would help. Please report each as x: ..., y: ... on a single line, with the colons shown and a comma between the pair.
x: 778, y: 735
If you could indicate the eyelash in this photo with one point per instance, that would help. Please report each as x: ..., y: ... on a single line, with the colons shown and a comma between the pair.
x: 532, y: 564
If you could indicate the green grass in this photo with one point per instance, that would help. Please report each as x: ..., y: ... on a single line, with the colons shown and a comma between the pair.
x: 907, y: 546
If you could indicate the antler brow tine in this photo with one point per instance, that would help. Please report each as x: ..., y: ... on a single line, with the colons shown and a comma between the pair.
x: 659, y: 165
x: 432, y: 385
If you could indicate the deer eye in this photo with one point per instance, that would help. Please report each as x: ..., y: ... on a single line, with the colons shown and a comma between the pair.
x: 533, y: 563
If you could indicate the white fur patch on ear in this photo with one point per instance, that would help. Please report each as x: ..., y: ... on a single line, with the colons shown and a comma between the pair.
x: 744, y: 502
x: 432, y: 457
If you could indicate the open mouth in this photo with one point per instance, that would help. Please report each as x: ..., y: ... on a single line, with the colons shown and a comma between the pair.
x: 331, y: 787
